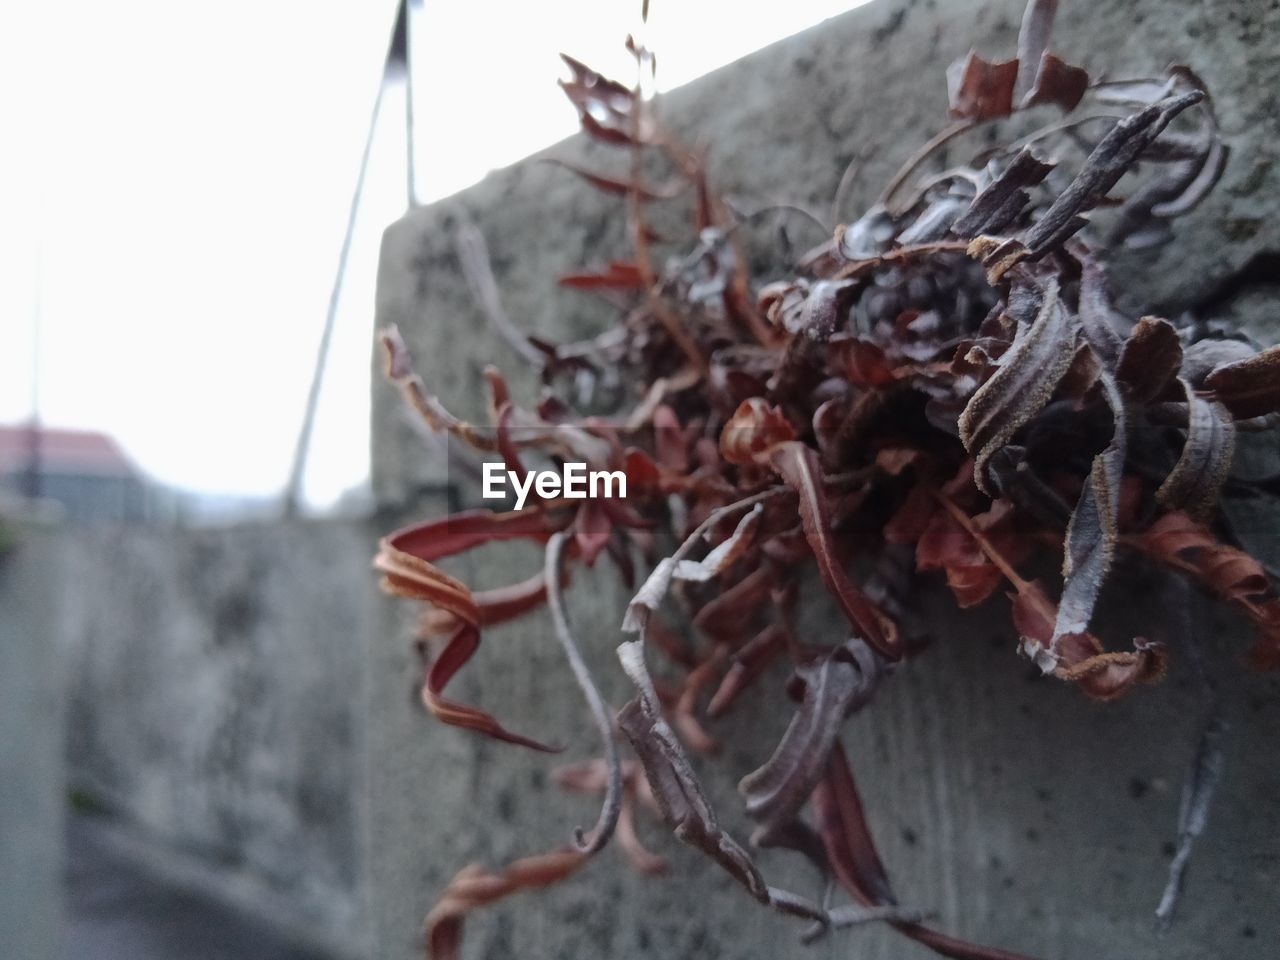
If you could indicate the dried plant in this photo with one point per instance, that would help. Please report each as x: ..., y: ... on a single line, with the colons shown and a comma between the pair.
x: 946, y: 379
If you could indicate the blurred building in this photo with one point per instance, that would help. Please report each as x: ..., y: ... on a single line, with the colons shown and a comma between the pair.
x: 86, y: 472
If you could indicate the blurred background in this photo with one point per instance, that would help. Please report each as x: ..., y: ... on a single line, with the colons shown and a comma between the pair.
x: 178, y: 225
x: 191, y: 203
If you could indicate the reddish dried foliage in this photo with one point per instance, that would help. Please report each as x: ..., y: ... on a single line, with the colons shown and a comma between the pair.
x: 947, y: 379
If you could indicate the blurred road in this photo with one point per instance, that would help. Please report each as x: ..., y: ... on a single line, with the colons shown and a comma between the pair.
x: 119, y: 911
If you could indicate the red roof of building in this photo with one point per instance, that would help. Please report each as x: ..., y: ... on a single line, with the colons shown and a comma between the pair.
x: 63, y: 451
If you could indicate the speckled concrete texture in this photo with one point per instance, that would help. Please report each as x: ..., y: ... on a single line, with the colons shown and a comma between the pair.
x: 215, y: 683
x: 32, y: 771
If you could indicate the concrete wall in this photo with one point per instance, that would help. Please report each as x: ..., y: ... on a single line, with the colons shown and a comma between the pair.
x: 1021, y: 813
x: 31, y: 740
x: 215, y: 684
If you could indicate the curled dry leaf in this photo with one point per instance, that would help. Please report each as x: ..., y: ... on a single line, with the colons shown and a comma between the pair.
x: 1248, y: 387
x: 1058, y: 83
x: 684, y: 808
x: 1094, y: 525
x: 748, y: 663
x: 616, y: 276
x: 399, y: 370
x: 1100, y: 322
x: 676, y: 567
x: 811, y: 310
x: 1076, y: 656
x: 1022, y: 384
x: 946, y: 545
x: 1002, y: 200
x: 1180, y: 543
x: 1202, y: 468
x: 405, y: 561
x: 835, y: 685
x: 1201, y: 358
x: 474, y: 887
x: 1108, y: 162
x: 606, y: 108
x: 980, y: 90
x: 595, y: 776
x: 799, y: 468
x: 754, y: 430
x: 1150, y: 359
x: 460, y: 648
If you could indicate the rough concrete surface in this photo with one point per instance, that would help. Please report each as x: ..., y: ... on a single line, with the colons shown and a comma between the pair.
x: 119, y: 909
x: 32, y: 773
x: 1022, y: 814
x: 215, y: 687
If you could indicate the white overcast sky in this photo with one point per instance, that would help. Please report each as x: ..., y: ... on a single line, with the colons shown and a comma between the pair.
x: 174, y: 183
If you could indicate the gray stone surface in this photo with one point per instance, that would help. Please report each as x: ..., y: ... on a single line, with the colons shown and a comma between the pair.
x: 122, y: 905
x: 215, y: 682
x: 32, y: 773
x: 1021, y: 813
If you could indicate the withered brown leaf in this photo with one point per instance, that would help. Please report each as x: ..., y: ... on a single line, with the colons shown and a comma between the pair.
x: 1022, y: 384
x: 979, y: 89
x: 798, y: 466
x: 1057, y: 82
x: 1249, y: 387
x: 474, y: 887
x: 1108, y: 162
x: 1000, y: 202
x: 836, y: 684
x: 1094, y: 525
x: 1202, y: 468
x: 1150, y: 359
